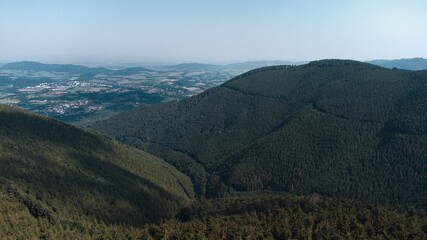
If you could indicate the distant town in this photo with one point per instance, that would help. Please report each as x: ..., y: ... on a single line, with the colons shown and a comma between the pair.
x: 73, y: 96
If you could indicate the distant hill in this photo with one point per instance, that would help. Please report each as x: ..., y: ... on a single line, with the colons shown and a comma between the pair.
x: 335, y: 127
x: 132, y: 70
x: 242, y: 66
x: 68, y: 68
x: 408, y: 64
x: 258, y: 64
x: 60, y: 181
x: 189, y: 67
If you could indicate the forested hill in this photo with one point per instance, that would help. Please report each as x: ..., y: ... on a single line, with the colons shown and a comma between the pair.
x: 68, y: 68
x: 335, y: 127
x: 58, y: 181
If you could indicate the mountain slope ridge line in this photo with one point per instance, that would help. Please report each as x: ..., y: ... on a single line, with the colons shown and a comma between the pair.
x: 313, y: 104
x: 321, y: 110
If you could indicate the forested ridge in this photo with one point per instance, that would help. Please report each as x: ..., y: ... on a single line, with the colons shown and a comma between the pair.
x: 59, y: 181
x: 334, y: 149
x: 340, y: 128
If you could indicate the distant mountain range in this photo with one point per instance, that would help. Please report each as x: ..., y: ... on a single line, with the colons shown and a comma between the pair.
x: 335, y: 127
x: 68, y: 68
x: 184, y: 67
x: 407, y: 64
x: 404, y: 63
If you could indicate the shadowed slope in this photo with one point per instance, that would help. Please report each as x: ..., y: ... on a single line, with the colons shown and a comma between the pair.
x: 65, y: 177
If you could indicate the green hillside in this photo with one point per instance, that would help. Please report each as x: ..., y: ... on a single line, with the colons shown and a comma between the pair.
x: 335, y: 127
x: 57, y: 180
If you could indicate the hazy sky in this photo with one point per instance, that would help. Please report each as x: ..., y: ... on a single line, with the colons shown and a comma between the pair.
x: 212, y: 31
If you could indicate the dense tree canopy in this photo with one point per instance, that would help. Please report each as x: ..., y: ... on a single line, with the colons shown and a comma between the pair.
x: 336, y: 127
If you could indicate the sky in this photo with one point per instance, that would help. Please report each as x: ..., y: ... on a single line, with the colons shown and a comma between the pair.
x: 210, y: 31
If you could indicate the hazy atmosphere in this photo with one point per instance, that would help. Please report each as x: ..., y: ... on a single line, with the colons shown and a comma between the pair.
x: 210, y: 31
x: 213, y: 119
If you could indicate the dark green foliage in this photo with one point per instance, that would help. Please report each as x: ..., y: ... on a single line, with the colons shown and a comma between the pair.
x: 336, y: 127
x: 290, y: 217
x: 246, y: 217
x: 61, y: 178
